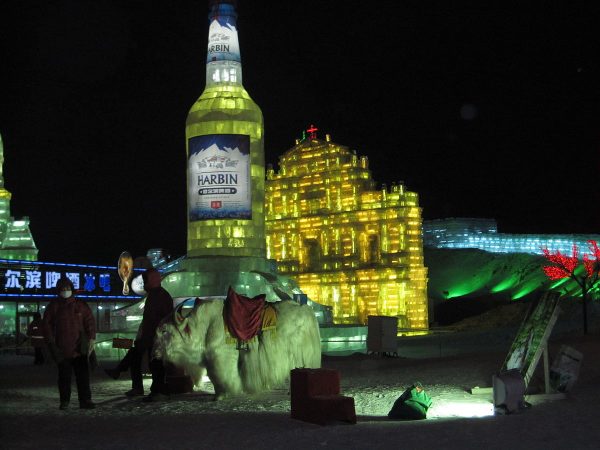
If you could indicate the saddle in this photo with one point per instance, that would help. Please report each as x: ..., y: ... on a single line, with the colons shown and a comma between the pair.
x: 245, y: 317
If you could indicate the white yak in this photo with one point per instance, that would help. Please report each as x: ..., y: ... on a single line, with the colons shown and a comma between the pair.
x: 199, y: 343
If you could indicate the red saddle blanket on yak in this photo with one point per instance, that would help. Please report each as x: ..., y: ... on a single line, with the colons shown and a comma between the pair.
x: 245, y: 317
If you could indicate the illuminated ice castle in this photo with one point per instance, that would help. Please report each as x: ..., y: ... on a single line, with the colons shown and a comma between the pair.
x: 348, y: 245
x: 16, y: 241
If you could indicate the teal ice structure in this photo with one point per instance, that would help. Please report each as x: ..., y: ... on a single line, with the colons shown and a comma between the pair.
x: 482, y: 234
x: 212, y: 276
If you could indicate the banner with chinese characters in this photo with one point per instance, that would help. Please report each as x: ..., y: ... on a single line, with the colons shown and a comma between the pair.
x: 38, y: 279
x: 219, y: 177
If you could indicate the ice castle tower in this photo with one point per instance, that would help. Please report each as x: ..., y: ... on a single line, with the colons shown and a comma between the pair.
x: 16, y: 241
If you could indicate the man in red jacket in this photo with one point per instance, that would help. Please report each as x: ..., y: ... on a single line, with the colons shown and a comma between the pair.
x: 71, y: 334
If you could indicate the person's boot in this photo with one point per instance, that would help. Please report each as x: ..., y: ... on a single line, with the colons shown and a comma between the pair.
x: 64, y: 404
x: 156, y: 397
x: 87, y: 404
x: 113, y: 373
x: 135, y: 392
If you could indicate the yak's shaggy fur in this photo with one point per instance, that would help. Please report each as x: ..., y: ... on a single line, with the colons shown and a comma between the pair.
x: 199, y: 343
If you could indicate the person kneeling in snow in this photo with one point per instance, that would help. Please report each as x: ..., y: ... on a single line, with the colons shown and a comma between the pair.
x: 411, y: 405
x: 158, y: 305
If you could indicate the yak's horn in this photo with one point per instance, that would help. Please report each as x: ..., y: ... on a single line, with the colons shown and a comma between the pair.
x: 178, y: 315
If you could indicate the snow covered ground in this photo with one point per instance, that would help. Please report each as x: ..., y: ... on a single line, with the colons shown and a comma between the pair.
x: 30, y: 418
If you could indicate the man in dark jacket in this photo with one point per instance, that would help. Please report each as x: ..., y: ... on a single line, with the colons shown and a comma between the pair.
x: 159, y: 304
x: 70, y: 334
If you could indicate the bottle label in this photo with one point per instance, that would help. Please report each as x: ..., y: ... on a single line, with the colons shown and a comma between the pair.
x: 223, y: 44
x: 219, y: 177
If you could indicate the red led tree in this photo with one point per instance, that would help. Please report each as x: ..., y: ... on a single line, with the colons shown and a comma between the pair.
x: 564, y: 266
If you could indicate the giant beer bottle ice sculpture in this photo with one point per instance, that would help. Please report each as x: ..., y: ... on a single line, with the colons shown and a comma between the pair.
x: 224, y: 133
x: 226, y: 181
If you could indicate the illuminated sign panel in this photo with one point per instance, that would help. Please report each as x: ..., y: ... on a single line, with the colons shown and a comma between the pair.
x: 219, y: 177
x: 38, y: 280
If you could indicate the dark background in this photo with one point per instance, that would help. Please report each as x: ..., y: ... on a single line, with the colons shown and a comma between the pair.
x: 485, y: 111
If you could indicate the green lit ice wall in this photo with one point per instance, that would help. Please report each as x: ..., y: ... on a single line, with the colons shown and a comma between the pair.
x: 472, y: 273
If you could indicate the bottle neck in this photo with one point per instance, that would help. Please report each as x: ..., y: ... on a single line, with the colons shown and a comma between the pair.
x: 223, y: 60
x: 223, y: 72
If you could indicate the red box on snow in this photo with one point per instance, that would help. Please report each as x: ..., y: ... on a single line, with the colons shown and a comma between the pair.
x: 315, y: 397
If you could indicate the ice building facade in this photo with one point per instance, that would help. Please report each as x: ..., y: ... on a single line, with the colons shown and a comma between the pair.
x: 350, y: 246
x: 483, y: 234
x: 16, y: 241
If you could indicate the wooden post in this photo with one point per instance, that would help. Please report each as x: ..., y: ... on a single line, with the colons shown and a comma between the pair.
x: 546, y: 371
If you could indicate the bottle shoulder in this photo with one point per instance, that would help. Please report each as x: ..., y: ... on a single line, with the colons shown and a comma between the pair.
x: 226, y: 97
x: 225, y: 90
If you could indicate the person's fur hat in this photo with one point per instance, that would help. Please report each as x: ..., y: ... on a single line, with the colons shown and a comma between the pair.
x: 64, y: 282
x: 151, y: 279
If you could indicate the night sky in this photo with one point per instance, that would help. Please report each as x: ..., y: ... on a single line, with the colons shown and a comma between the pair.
x: 485, y: 111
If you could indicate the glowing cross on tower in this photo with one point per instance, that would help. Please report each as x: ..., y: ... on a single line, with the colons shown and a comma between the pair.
x: 313, y: 131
